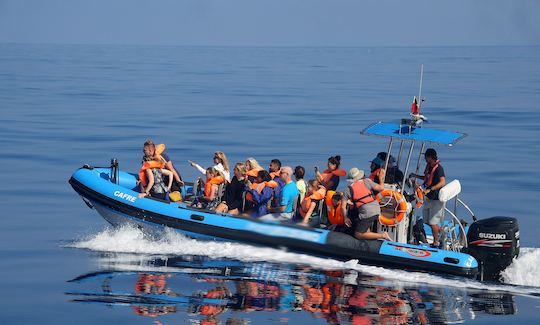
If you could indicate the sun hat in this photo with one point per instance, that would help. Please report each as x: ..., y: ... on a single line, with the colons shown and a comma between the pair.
x: 355, y: 174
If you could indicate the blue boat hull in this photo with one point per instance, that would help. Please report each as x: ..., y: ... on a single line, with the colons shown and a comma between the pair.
x: 118, y: 204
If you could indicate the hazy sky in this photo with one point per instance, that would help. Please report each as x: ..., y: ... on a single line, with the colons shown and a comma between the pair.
x: 272, y: 22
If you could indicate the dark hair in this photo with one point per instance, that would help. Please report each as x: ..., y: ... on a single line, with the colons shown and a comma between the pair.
x: 381, y: 155
x: 149, y: 142
x: 335, y: 160
x: 264, y: 175
x: 431, y: 153
x: 299, y: 172
x: 276, y: 161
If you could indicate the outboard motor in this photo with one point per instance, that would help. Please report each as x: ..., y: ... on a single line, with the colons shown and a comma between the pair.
x: 493, y: 242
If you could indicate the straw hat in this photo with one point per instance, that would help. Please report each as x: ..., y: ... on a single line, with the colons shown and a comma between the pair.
x: 355, y: 174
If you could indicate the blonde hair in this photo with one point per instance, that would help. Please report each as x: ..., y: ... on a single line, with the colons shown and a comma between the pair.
x: 253, y: 163
x: 221, y: 156
x: 241, y: 168
x: 215, y: 172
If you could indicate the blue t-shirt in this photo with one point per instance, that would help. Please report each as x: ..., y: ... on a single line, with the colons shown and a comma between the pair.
x: 288, y: 195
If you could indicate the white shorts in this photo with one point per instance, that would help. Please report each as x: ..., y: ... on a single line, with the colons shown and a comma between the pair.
x: 433, y: 212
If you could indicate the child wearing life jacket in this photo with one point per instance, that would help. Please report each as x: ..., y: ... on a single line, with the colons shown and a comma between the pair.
x: 330, y: 177
x: 210, y: 197
x: 259, y: 193
x: 151, y: 179
x: 309, y: 208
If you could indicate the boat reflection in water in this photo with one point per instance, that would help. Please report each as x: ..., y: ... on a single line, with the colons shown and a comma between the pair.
x: 225, y: 291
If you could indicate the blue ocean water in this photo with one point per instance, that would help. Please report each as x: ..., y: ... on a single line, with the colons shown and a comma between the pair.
x: 66, y: 105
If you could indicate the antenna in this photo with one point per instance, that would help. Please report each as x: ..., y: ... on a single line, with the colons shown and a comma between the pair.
x: 420, y: 100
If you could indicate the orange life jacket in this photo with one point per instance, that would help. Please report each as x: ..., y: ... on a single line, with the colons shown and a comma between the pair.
x: 335, y: 215
x: 327, y: 174
x: 360, y: 193
x: 274, y: 174
x: 253, y: 172
x: 428, y: 174
x: 374, y: 174
x: 259, y: 187
x: 315, y: 196
x: 148, y: 165
x: 210, y: 182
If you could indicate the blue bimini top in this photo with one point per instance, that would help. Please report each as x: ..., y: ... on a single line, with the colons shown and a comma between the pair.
x: 406, y: 133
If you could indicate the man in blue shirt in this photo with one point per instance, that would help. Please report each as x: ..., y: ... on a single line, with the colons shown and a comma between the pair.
x: 289, y: 193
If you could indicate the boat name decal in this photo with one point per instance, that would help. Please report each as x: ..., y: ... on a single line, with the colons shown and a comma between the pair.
x: 413, y: 251
x: 125, y: 196
x: 491, y: 236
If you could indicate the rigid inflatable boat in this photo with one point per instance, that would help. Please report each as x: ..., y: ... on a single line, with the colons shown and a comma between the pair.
x: 116, y: 199
x: 480, y: 248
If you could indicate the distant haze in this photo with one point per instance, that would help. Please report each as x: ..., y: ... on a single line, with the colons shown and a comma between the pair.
x: 272, y: 22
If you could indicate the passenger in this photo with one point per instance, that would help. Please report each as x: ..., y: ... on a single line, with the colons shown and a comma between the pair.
x: 252, y: 169
x: 210, y: 198
x: 393, y: 174
x: 333, y: 208
x: 260, y: 193
x: 434, y: 179
x: 151, y: 181
x: 233, y: 197
x: 289, y: 194
x: 274, y: 170
x: 309, y: 208
x: 299, y: 173
x: 330, y: 177
x: 221, y: 164
x: 364, y: 208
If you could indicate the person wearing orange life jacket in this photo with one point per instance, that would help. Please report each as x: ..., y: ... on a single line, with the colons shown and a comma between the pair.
x: 252, y: 169
x: 289, y: 195
x: 210, y: 198
x: 392, y: 176
x: 274, y: 169
x: 364, y: 208
x: 333, y: 208
x: 151, y: 181
x: 310, y: 204
x: 330, y: 177
x: 434, y: 179
x: 259, y: 193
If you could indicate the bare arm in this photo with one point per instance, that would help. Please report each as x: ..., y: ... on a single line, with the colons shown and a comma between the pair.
x: 344, y: 203
x: 177, y: 177
x: 146, y: 190
x: 438, y: 186
x: 309, y: 212
x: 170, y: 176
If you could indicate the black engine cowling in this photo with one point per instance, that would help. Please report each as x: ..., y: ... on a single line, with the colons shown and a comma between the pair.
x: 494, y: 242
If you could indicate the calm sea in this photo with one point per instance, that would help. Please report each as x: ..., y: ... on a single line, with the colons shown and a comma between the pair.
x: 66, y: 105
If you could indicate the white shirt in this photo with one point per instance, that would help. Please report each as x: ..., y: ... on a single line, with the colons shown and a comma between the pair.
x: 219, y: 167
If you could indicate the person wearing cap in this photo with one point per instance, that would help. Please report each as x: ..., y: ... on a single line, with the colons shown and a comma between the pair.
x: 393, y: 174
x: 363, y: 208
x: 434, y: 180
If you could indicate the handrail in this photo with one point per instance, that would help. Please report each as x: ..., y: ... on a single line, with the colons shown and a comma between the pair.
x: 468, y: 209
x: 460, y: 225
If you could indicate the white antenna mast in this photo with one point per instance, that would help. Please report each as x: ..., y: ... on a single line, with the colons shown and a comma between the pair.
x: 420, y: 100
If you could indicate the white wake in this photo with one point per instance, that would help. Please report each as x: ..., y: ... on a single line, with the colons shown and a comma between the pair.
x: 519, y: 278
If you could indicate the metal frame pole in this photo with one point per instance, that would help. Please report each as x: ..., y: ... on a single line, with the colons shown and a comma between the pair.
x: 388, y: 156
x: 407, y: 166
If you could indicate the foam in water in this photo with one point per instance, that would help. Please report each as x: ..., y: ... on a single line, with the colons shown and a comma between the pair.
x: 131, y: 240
x: 524, y: 270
